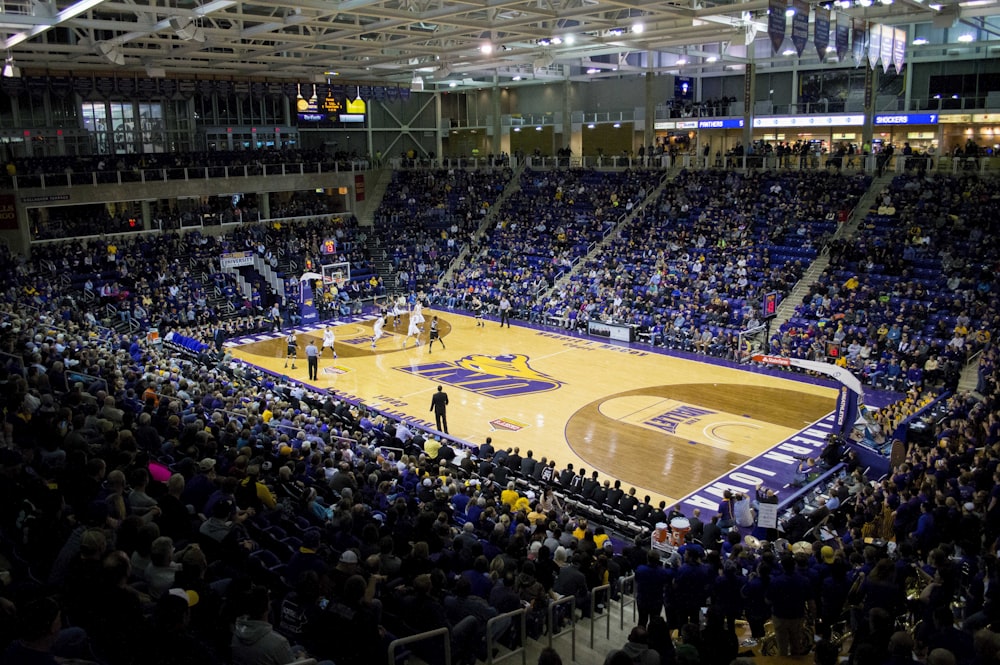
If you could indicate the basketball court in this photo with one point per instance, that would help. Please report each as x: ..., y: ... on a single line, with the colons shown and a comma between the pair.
x: 662, y: 424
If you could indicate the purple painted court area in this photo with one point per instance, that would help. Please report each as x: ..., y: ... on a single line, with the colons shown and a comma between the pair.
x: 775, y: 468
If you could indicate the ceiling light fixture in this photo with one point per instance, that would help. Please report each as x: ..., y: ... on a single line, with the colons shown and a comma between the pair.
x: 966, y: 38
x: 638, y: 28
x: 517, y: 78
x: 710, y: 59
x: 920, y: 41
x: 788, y: 51
x: 11, y: 70
x: 593, y: 70
x: 486, y: 48
x: 570, y: 39
x: 790, y: 11
x: 681, y: 62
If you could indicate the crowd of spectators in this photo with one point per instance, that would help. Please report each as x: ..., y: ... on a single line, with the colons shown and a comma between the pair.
x: 158, y: 506
x: 912, y: 296
x: 542, y: 230
x: 427, y: 217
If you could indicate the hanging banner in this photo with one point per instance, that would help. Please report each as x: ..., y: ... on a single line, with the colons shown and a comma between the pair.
x: 404, y: 94
x: 258, y: 90
x: 392, y: 93
x: 186, y: 88
x: 800, y: 25
x: 859, y: 43
x: 206, y: 89
x: 83, y: 86
x: 899, y: 49
x: 147, y: 88
x: 886, y: 48
x: 223, y: 89
x: 748, y: 78
x: 821, y: 32
x: 37, y: 86
x: 290, y: 90
x: 168, y: 88
x: 842, y: 37
x: 60, y: 86
x: 126, y: 87
x: 874, y: 43
x: 776, y: 21
x: 869, y: 88
x: 104, y: 86
x: 274, y: 90
x: 241, y: 89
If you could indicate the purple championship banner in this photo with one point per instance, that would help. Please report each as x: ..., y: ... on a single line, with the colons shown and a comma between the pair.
x: 775, y: 468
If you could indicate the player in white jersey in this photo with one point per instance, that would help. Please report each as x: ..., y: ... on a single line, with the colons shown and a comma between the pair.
x: 413, y: 331
x: 417, y: 313
x: 398, y: 308
x: 330, y: 341
x: 379, y: 324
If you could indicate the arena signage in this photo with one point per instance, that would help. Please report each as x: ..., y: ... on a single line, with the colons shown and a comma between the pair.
x: 907, y: 119
x: 236, y: 259
x: 731, y: 123
x: 8, y: 212
x: 613, y: 331
x: 844, y: 120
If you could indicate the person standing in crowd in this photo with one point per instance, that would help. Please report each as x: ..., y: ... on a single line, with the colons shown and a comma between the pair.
x: 312, y: 360
x: 275, y: 317
x: 439, y: 405
x: 330, y: 341
x: 292, y: 352
x: 434, y: 335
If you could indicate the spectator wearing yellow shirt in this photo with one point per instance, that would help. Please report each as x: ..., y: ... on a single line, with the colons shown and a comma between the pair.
x: 431, y: 447
x: 509, y: 496
x: 581, y: 529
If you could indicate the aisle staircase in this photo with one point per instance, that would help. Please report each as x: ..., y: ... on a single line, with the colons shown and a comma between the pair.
x: 598, y: 247
x: 786, y: 309
x: 513, y: 186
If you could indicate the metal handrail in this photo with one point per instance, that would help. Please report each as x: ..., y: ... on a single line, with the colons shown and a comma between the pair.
x: 623, y: 582
x: 571, y: 601
x: 521, y: 649
x: 421, y: 637
x: 604, y: 589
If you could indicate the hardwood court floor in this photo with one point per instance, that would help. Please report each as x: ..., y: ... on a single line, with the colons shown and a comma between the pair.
x: 664, y: 425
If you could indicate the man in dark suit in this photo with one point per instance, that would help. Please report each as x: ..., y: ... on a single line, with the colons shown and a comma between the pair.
x: 528, y: 464
x: 590, y: 486
x: 514, y: 461
x: 439, y: 405
x: 628, y: 502
x: 796, y: 526
x: 486, y: 450
x: 614, y: 496
x: 566, y: 476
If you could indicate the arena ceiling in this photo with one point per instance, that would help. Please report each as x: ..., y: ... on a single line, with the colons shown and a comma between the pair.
x: 469, y: 42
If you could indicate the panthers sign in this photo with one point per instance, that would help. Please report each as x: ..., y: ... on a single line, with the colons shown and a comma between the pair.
x: 490, y: 376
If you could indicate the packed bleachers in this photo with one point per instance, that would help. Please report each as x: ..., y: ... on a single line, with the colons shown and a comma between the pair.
x: 317, y: 524
x: 427, y: 217
x: 911, y: 294
x: 701, y: 258
x: 554, y: 219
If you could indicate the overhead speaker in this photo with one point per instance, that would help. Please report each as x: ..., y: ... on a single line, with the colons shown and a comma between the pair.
x: 111, y: 52
x: 187, y: 29
x: 417, y: 84
x: 946, y: 18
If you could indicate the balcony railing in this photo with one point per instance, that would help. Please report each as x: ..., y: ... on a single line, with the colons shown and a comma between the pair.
x: 181, y: 174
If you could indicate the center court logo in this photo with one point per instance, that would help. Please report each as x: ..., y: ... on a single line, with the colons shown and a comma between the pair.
x: 490, y: 376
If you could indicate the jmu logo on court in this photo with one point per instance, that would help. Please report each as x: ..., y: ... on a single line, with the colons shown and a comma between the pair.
x: 490, y: 376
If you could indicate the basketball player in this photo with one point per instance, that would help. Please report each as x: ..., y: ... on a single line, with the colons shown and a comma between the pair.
x: 379, y: 324
x: 397, y: 310
x: 293, y: 351
x: 418, y: 313
x: 330, y: 341
x: 434, y: 335
x: 477, y: 309
x: 413, y: 331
